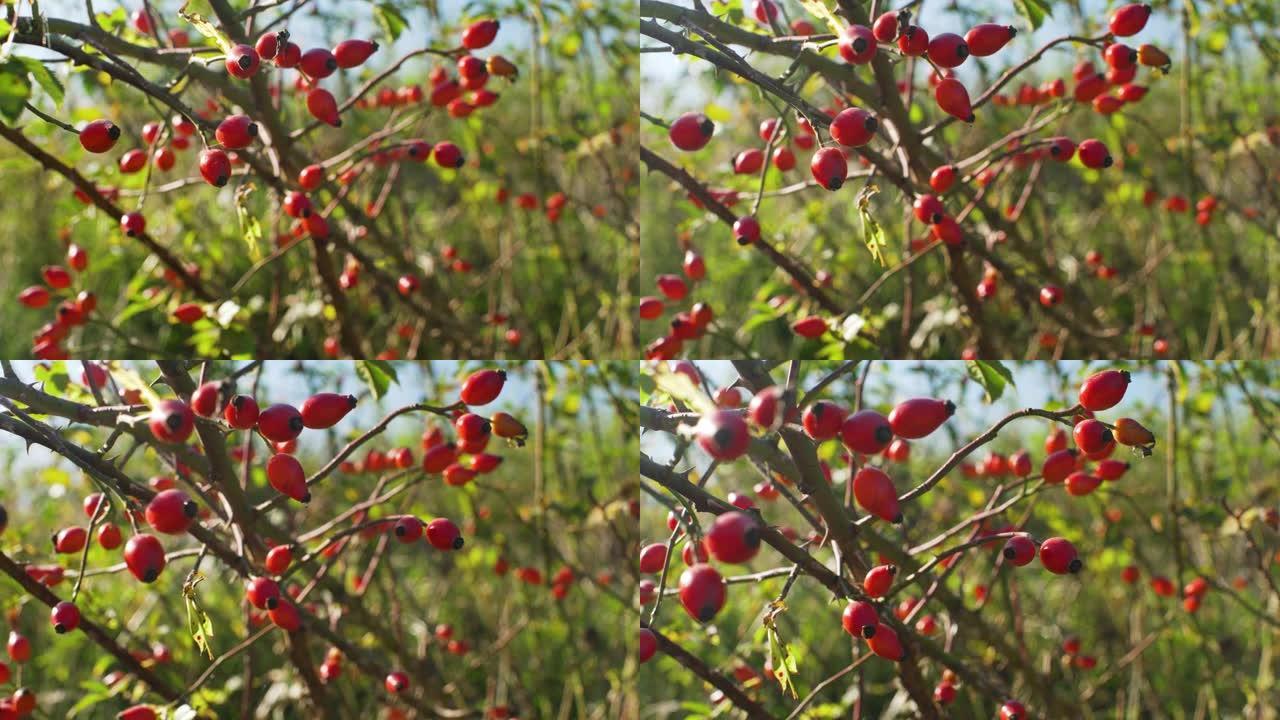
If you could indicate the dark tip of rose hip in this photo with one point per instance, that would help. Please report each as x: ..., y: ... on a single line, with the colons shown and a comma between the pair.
x: 868, y: 631
x: 190, y: 509
x: 1075, y: 566
x: 458, y: 543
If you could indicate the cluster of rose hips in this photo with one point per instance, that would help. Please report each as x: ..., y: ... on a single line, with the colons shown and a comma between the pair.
x: 237, y: 132
x: 172, y: 512
x: 69, y: 313
x: 852, y: 127
x: 734, y: 537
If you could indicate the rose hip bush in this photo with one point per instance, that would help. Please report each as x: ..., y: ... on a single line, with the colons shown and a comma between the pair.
x: 981, y: 179
x: 892, y: 539
x: 223, y: 178
x: 329, y: 540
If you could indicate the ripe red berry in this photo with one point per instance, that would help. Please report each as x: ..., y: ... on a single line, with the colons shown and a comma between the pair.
x: 132, y: 161
x: 242, y: 61
x: 723, y: 434
x: 241, y: 412
x: 874, y: 491
x: 1130, y: 19
x: 734, y: 537
x: 286, y: 475
x: 324, y: 410
x: 1013, y: 710
x: 929, y: 209
x: 948, y: 50
x: 269, y: 44
x: 317, y: 63
x: 109, y: 536
x: 1058, y: 556
x: 288, y: 55
x: 34, y: 297
x: 944, y: 693
x: 860, y: 619
x: 204, y: 401
x: 285, y: 616
x: 919, y: 417
x: 188, y: 313
x: 479, y: 34
x: 691, y: 131
x: 942, y: 178
x: 65, y: 617
x: 1094, y: 154
x: 439, y: 457
x: 987, y: 38
x: 171, y: 512
x: 278, y: 559
x: 784, y: 159
x: 1103, y: 390
x: 144, y: 556
x: 885, y: 28
x: 1020, y: 549
x: 280, y: 423
x: 913, y: 41
x: 19, y: 647
x: 857, y: 45
x: 746, y: 230
x: 748, y: 162
x: 133, y: 224
x: 878, y: 580
x: 885, y: 643
x: 809, y: 327
x: 236, y: 132
x: 99, y: 136
x: 448, y: 155
x: 171, y: 421
x: 647, y: 645
x: 263, y: 593
x: 396, y: 682
x: 296, y: 205
x: 853, y: 127
x: 353, y: 53
x: 672, y: 286
x: 1111, y: 469
x: 312, y: 177
x: 1058, y: 465
x: 653, y: 558
x: 702, y: 592
x: 953, y: 98
x: 866, y: 432
x: 408, y: 529
x: 323, y: 107
x: 829, y: 168
x: 1050, y: 295
x: 482, y: 387
x: 444, y: 535
x: 1092, y: 436
x: 1020, y: 463
x: 1080, y: 484
x: 215, y: 167
x: 823, y: 420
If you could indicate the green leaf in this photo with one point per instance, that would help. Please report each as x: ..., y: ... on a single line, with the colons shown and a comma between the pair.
x: 249, y: 225
x: 1034, y: 11
x: 683, y: 388
x: 390, y: 20
x: 15, y: 89
x: 378, y: 375
x: 195, y: 12
x: 872, y: 233
x: 199, y: 626
x: 992, y: 375
x: 53, y: 377
x: 44, y: 78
